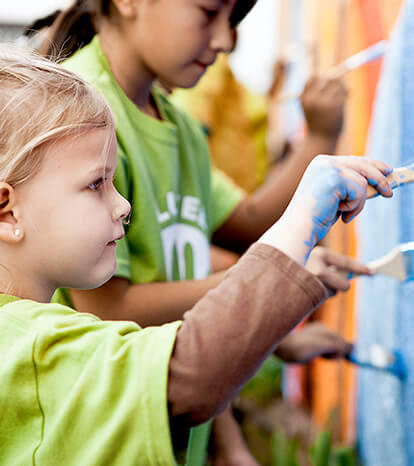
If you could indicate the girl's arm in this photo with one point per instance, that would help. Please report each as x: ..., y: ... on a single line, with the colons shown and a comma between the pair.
x: 147, y: 304
x: 323, y: 102
x: 224, y: 339
x: 229, y: 333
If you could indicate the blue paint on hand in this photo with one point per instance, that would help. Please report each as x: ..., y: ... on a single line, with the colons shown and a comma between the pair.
x: 373, y: 183
x: 329, y: 187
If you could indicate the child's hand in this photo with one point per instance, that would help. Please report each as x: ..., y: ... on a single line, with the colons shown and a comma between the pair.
x: 314, y: 340
x: 323, y: 102
x: 334, y: 187
x: 331, y: 187
x: 333, y: 269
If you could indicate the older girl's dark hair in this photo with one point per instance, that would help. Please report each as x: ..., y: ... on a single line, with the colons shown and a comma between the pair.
x: 75, y: 27
x: 241, y: 9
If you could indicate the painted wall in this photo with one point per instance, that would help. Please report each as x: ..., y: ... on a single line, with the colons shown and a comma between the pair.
x: 340, y: 28
x: 386, y: 308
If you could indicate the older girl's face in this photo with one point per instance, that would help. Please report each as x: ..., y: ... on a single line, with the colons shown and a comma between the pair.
x: 178, y: 39
x: 72, y: 214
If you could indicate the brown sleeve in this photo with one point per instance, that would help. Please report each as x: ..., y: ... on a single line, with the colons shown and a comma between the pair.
x: 225, y: 338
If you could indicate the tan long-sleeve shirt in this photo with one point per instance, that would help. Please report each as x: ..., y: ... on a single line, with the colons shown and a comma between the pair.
x: 225, y: 338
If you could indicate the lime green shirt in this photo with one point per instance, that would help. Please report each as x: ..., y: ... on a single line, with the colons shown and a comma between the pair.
x: 164, y: 171
x: 78, y: 391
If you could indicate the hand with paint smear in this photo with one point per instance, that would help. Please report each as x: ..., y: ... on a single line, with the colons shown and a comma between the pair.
x: 331, y: 187
x: 336, y: 187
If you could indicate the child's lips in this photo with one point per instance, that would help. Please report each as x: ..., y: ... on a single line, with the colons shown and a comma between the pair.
x: 113, y: 242
x: 205, y: 65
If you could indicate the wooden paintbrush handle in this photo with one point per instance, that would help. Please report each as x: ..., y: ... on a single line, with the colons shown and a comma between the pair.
x: 398, y: 177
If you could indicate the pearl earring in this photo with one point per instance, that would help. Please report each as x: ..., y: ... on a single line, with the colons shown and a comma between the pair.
x: 127, y: 220
x: 16, y: 232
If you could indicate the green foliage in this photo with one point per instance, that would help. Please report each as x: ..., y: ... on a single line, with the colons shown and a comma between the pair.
x: 284, y: 450
x: 321, y: 453
x: 345, y: 456
x: 266, y: 384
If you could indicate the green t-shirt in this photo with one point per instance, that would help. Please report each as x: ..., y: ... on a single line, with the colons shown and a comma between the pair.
x: 164, y: 171
x: 79, y: 391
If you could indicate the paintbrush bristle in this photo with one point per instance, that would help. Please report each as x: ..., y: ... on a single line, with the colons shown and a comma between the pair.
x: 391, y: 264
x: 377, y: 357
x: 367, y: 55
x: 407, y: 251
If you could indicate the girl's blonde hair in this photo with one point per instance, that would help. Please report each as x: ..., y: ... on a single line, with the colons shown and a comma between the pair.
x: 40, y: 102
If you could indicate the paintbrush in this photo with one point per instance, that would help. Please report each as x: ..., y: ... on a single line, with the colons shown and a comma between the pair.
x: 374, y: 52
x: 398, y: 177
x: 371, y: 53
x: 398, y: 263
x: 379, y: 358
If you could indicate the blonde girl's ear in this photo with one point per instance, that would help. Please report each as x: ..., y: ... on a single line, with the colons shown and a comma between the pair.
x: 10, y: 229
x: 126, y: 8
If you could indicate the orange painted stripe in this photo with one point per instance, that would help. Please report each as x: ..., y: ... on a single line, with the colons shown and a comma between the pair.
x: 373, y: 32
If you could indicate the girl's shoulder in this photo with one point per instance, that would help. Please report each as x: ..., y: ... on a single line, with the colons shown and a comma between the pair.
x: 34, y: 314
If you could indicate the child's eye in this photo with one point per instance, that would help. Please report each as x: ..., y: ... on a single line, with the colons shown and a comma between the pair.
x: 210, y: 13
x: 96, y: 184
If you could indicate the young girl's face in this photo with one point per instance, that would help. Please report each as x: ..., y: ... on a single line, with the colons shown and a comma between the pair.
x: 178, y: 39
x: 71, y: 213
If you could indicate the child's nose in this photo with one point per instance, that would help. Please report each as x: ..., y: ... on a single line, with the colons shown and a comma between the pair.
x: 222, y: 39
x: 121, y: 209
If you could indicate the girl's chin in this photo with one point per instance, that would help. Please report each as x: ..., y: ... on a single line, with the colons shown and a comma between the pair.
x: 106, y: 274
x: 190, y: 79
x: 102, y: 280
